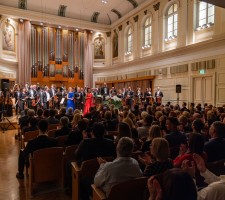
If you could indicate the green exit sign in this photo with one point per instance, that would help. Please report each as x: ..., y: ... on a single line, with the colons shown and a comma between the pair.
x: 202, y: 71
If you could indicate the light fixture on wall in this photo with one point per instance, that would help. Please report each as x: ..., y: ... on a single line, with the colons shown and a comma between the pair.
x: 105, y: 1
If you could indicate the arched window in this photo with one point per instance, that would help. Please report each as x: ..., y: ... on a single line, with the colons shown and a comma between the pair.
x: 147, y: 33
x: 129, y: 40
x: 206, y: 14
x: 172, y: 19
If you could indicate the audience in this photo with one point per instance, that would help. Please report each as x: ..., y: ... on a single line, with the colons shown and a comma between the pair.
x: 51, y: 119
x: 65, y: 130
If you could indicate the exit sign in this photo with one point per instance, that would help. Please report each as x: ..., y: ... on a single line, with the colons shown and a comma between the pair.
x: 202, y: 71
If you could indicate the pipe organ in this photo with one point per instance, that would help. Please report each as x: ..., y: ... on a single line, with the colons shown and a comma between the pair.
x: 57, y: 56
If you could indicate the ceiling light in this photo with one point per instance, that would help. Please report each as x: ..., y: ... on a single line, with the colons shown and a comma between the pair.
x: 104, y: 1
x: 41, y: 23
x: 59, y: 27
x: 21, y: 20
x: 77, y: 29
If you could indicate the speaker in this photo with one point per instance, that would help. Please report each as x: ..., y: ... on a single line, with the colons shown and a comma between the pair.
x: 178, y: 88
x: 5, y: 84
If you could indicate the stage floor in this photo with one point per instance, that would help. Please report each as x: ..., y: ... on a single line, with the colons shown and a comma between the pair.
x: 9, y: 123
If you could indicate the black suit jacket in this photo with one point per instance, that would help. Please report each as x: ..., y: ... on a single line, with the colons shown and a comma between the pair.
x: 175, y: 139
x: 215, y: 149
x: 94, y: 147
x: 53, y: 120
x: 103, y: 91
x: 41, y: 142
x: 63, y: 131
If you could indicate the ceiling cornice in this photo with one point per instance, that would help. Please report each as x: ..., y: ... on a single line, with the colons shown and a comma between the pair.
x: 52, y: 19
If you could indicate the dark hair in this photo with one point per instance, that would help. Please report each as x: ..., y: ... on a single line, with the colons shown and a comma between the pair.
x: 52, y: 112
x: 82, y: 125
x: 196, y: 143
x: 43, y: 125
x: 98, y: 130
x: 46, y: 113
x: 64, y: 121
x: 198, y: 125
x: 124, y: 130
x: 39, y: 112
x: 173, y: 120
x: 176, y: 185
x: 219, y: 128
x: 148, y: 120
x: 33, y: 121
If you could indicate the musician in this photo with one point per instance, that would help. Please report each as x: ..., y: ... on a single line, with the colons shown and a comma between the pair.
x: 138, y: 95
x: 45, y: 99
x: 120, y: 94
x: 52, y: 93
x: 32, y: 94
x: 129, y: 97
x: 79, y: 99
x: 23, y: 99
x: 158, y: 96
x: 59, y: 97
x: 148, y: 95
x: 104, y: 91
x: 16, y: 95
x: 112, y: 92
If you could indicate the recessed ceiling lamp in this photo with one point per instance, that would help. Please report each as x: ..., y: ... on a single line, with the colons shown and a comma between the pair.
x: 77, y: 29
x: 59, y: 26
x: 41, y: 23
x: 104, y: 1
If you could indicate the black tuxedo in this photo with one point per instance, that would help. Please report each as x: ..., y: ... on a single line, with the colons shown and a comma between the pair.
x: 41, y: 142
x: 129, y: 98
x: 94, y: 147
x: 104, y: 92
x: 215, y: 149
x: 78, y: 100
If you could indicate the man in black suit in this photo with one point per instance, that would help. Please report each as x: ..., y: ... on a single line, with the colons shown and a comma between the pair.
x: 52, y: 119
x: 129, y: 97
x: 41, y: 142
x: 65, y: 130
x: 104, y: 91
x: 95, y: 146
x: 215, y: 148
x: 79, y: 99
x: 158, y: 96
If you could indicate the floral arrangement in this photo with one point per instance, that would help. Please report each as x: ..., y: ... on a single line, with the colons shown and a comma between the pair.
x: 117, y: 102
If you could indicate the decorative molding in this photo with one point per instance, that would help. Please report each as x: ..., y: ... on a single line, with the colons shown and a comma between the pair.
x: 62, y: 10
x: 22, y: 4
x: 94, y: 17
x: 117, y: 13
x: 108, y: 34
x: 134, y: 3
x: 128, y: 22
x: 120, y: 27
x: 145, y: 12
x: 136, y: 18
x: 156, y: 6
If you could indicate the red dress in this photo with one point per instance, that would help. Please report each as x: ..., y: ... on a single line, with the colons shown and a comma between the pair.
x: 88, y: 103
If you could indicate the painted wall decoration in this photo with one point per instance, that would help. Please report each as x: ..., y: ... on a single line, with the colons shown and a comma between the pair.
x: 115, y: 44
x: 8, y: 34
x: 99, y: 48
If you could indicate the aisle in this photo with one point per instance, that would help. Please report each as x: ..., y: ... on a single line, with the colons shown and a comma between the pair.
x: 10, y: 187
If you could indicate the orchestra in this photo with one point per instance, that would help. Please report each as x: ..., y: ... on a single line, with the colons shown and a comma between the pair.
x: 36, y: 96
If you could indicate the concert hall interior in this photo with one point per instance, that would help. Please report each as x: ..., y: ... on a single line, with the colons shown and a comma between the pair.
x: 72, y: 62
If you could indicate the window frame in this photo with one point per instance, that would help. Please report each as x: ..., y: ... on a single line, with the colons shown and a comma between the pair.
x: 129, y: 43
x: 147, y: 39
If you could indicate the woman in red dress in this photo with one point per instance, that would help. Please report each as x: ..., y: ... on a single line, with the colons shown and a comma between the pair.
x: 88, y: 102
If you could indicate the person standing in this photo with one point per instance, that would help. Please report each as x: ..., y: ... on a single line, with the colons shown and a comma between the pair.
x: 88, y: 102
x: 70, y: 99
x: 158, y: 96
x: 104, y: 91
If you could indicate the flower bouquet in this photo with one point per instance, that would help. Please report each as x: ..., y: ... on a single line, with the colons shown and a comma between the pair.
x: 117, y: 102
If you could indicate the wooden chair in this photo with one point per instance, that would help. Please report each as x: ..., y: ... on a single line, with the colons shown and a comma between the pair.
x: 217, y: 167
x: 46, y: 165
x: 29, y: 136
x: 51, y: 133
x: 70, y: 152
x: 53, y: 126
x: 61, y: 140
x: 133, y: 189
x: 88, y: 169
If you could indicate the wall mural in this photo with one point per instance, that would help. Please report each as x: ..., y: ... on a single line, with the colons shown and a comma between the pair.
x: 99, y: 50
x: 8, y: 39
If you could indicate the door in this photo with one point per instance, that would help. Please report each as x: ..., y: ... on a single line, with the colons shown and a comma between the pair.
x: 203, y: 90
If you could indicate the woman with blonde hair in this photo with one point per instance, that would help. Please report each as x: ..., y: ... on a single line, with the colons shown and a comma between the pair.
x: 159, y: 160
x: 154, y: 132
x: 76, y: 119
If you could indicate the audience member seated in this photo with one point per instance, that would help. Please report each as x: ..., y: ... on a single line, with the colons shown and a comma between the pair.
x: 174, y: 184
x: 123, y: 168
x: 109, y: 123
x: 76, y: 136
x: 65, y: 130
x: 185, y: 125
x: 196, y: 145
x: 134, y: 132
x: 46, y: 114
x: 215, y: 148
x: 42, y: 141
x: 143, y: 130
x: 69, y: 114
x: 123, y: 131
x: 95, y: 146
x: 24, y: 121
x: 159, y: 160
x: 62, y: 113
x: 76, y: 118
x: 32, y: 125
x: 39, y: 114
x: 52, y: 119
x: 154, y: 132
x: 141, y: 121
x: 174, y: 137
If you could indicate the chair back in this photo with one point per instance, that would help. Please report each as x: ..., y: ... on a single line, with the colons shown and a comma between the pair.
x: 217, y: 167
x: 51, y: 133
x: 47, y: 165
x: 70, y: 153
x: 61, y: 140
x: 133, y: 189
x: 30, y: 135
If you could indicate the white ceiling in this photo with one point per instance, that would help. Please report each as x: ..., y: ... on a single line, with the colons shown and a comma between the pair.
x: 79, y: 9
